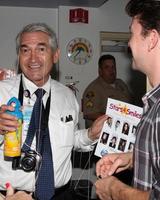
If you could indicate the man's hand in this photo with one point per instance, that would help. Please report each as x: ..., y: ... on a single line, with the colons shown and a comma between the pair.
x: 113, y: 163
x: 110, y: 188
x: 19, y: 196
x: 7, y: 121
x: 11, y: 195
x: 95, y: 130
x: 104, y: 187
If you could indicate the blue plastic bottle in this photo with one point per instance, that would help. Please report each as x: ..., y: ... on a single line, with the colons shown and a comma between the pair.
x: 13, y: 139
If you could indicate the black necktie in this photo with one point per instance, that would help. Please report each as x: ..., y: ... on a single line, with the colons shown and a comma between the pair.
x: 44, y: 175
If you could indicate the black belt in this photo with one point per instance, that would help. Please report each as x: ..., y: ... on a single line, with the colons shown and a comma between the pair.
x: 62, y: 189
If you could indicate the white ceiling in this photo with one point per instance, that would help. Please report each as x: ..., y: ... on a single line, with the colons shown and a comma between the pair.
x: 52, y: 3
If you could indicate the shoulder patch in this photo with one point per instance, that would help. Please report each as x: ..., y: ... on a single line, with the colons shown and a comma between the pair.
x: 90, y: 95
x: 89, y: 104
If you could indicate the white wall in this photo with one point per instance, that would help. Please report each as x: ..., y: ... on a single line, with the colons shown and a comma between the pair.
x: 112, y: 16
x: 12, y: 19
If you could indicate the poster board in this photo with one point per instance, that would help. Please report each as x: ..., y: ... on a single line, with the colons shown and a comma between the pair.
x: 118, y: 132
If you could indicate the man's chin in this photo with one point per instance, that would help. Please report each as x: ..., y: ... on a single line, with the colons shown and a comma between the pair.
x: 111, y: 81
x: 37, y: 80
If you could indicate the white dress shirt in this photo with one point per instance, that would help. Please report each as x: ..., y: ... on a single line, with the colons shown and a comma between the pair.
x: 63, y: 135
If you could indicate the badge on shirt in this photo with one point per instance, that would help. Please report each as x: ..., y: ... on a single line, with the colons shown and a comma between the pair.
x: 89, y: 104
x: 90, y: 95
x: 27, y: 112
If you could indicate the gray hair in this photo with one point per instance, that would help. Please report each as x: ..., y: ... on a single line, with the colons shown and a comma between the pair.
x: 34, y: 27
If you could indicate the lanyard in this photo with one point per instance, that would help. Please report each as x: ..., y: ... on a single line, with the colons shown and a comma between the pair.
x: 45, y: 114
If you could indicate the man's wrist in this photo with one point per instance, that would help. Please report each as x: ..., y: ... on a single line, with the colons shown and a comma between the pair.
x: 118, y: 190
x: 121, y: 191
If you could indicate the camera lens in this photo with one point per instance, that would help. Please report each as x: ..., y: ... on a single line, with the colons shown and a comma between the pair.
x: 28, y: 163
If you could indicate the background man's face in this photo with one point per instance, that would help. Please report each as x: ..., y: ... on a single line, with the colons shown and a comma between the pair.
x: 108, y: 71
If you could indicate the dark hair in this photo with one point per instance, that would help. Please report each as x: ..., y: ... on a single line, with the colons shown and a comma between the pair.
x: 148, y: 13
x: 124, y: 130
x: 105, y: 57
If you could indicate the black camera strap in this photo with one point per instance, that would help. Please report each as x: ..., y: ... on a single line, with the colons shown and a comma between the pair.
x: 44, y: 121
x: 21, y: 91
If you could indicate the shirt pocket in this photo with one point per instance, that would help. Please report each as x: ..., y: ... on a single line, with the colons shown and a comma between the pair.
x: 64, y: 133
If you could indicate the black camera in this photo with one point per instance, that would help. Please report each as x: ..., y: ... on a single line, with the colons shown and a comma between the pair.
x: 28, y: 161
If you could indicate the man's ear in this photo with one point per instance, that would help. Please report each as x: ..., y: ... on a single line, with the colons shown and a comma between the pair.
x: 56, y: 56
x: 153, y: 39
